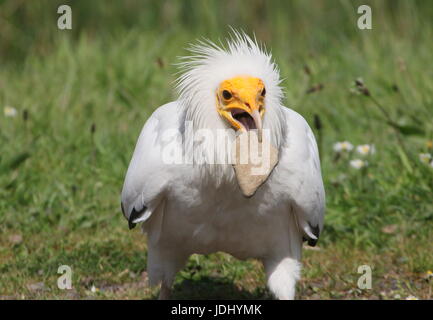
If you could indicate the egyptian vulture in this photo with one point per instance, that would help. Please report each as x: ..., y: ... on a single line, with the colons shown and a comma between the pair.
x: 192, y: 194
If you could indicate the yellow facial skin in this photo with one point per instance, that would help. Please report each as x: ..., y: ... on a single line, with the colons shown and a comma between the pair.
x: 242, y: 93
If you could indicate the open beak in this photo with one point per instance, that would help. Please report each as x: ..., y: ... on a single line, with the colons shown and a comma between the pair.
x: 244, y: 117
x: 258, y: 121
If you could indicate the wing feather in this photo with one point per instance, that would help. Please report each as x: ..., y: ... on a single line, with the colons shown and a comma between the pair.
x: 301, y: 170
x: 147, y: 177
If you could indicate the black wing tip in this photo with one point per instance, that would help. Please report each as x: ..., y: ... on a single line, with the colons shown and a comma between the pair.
x: 312, y: 242
x: 134, y: 215
x: 131, y: 225
x: 121, y: 206
x: 316, y: 232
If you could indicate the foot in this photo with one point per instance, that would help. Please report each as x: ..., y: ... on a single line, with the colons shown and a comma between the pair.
x: 165, y: 292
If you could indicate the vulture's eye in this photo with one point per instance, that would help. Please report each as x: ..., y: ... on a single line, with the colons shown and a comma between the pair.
x: 227, y: 95
x: 263, y: 92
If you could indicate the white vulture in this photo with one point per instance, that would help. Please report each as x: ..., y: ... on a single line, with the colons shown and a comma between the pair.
x: 189, y: 204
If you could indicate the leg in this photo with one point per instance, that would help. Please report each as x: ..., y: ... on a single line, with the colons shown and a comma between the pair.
x: 283, y: 268
x: 165, y: 292
x: 282, y: 275
x: 162, y: 266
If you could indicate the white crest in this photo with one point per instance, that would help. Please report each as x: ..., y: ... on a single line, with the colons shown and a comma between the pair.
x: 210, y: 64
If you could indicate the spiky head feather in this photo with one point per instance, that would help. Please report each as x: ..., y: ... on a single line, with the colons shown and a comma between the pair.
x: 209, y: 64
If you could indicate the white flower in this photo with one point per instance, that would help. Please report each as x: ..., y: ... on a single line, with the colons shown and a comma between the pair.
x: 359, y: 81
x: 425, y: 157
x: 358, y: 163
x: 366, y: 149
x: 343, y: 146
x: 94, y: 289
x: 10, y: 111
x: 412, y: 298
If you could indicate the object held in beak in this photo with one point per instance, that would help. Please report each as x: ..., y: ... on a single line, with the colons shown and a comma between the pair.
x: 248, y: 120
x: 253, y: 161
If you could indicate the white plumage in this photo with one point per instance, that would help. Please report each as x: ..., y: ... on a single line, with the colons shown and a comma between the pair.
x: 198, y: 208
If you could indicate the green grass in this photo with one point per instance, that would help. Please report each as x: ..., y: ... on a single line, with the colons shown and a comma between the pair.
x: 82, y: 97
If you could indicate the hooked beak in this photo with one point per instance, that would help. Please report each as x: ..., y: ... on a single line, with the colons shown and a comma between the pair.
x: 244, y: 118
x: 258, y: 121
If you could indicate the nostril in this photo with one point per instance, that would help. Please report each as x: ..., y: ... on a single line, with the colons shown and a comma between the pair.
x: 248, y: 105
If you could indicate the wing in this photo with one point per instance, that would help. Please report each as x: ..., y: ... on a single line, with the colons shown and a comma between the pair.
x: 300, y: 164
x: 147, y: 176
